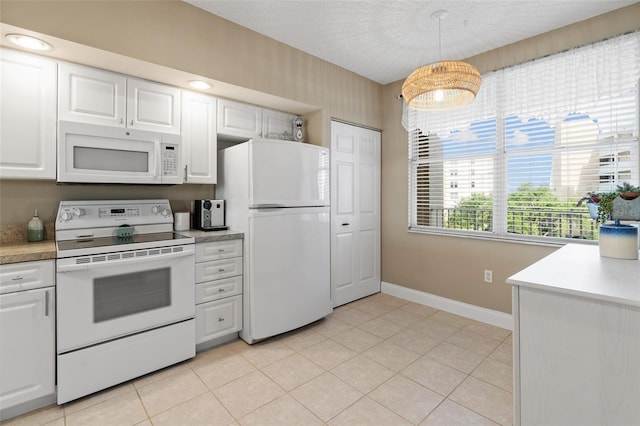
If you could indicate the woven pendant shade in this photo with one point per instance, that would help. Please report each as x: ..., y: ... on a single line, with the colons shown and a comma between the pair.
x: 441, y: 85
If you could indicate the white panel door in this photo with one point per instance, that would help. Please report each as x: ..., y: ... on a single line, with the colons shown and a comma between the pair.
x: 27, y: 116
x: 199, y: 138
x: 355, y: 217
x: 153, y: 106
x: 90, y: 95
x: 239, y: 120
x: 277, y: 125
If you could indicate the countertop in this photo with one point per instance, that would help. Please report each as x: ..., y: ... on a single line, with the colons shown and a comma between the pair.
x: 27, y: 252
x: 42, y: 250
x: 579, y: 270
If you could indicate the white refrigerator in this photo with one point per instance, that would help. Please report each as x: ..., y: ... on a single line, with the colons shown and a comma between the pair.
x: 277, y: 193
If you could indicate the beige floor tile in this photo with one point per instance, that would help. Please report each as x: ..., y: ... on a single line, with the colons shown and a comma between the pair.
x: 216, y: 371
x: 434, y: 328
x: 363, y: 373
x: 449, y: 413
x: 326, y: 395
x: 381, y: 327
x: 485, y: 399
x: 60, y: 422
x: 266, y: 352
x: 401, y: 317
x: 414, y: 340
x: 434, y: 375
x: 495, y: 372
x: 42, y: 416
x: 451, y: 319
x: 247, y: 393
x: 353, y: 316
x: 487, y: 330
x: 367, y: 412
x: 125, y: 409
x: 171, y: 391
x: 503, y: 353
x: 328, y: 354
x: 284, y: 411
x: 391, y: 355
x: 407, y: 398
x: 98, y: 397
x: 474, y: 342
x: 357, y: 339
x: 161, y: 374
x: 456, y: 357
x: 375, y: 308
x: 418, y: 309
x: 301, y: 339
x: 330, y: 326
x: 387, y: 299
x: 144, y: 423
x: 201, y: 410
x: 292, y: 371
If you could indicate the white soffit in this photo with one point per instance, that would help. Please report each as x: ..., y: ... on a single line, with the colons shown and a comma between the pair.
x: 386, y: 40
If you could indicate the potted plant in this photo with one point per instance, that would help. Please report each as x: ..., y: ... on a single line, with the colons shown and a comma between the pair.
x: 600, y: 204
x: 628, y: 191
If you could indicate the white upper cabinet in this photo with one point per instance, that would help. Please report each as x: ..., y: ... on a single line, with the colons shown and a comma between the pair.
x: 90, y: 95
x: 199, y: 139
x: 239, y: 120
x: 153, y: 106
x: 277, y: 125
x: 27, y: 116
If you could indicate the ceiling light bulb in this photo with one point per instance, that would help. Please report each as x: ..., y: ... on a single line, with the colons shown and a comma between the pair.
x: 438, y: 95
x: 28, y: 42
x: 199, y: 84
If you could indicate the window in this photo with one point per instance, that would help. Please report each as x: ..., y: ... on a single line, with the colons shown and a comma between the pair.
x: 538, y: 137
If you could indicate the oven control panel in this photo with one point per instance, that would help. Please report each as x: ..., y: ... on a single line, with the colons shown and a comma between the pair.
x: 96, y: 214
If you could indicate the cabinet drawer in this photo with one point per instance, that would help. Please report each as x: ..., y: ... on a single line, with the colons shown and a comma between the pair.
x: 218, y: 250
x: 219, y: 289
x: 219, y: 318
x: 27, y: 275
x: 217, y: 269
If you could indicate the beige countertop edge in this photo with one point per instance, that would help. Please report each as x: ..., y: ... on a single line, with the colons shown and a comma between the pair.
x: 43, y: 250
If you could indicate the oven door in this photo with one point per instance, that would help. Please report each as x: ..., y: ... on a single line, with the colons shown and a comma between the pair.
x: 107, y: 296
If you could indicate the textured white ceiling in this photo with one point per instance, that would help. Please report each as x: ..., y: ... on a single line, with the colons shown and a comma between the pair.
x: 386, y: 40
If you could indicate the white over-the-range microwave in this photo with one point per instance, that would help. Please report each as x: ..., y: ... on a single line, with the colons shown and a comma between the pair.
x: 89, y: 153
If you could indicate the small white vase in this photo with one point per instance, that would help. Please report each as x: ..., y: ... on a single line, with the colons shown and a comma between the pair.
x: 619, y: 241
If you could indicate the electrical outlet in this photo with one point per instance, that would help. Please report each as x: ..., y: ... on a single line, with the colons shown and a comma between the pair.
x: 488, y: 276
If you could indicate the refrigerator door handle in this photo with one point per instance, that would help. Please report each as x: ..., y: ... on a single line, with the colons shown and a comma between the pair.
x: 269, y: 206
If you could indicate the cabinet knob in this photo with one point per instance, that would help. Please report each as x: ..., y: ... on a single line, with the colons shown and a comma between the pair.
x: 220, y: 290
x: 221, y: 270
x: 16, y: 278
x: 221, y: 250
x: 220, y: 319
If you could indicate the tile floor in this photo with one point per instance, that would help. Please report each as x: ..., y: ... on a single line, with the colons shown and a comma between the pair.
x: 377, y: 361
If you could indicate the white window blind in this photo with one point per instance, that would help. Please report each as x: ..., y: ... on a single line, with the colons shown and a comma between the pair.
x: 538, y: 137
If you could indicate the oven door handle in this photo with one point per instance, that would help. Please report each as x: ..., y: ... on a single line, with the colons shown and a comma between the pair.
x: 109, y: 263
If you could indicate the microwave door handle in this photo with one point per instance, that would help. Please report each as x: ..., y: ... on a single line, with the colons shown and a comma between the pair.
x: 158, y: 174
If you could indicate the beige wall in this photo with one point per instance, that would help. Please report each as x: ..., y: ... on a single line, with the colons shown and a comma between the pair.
x: 176, y: 35
x: 449, y: 266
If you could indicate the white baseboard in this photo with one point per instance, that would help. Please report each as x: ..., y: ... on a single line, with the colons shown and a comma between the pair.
x: 489, y: 316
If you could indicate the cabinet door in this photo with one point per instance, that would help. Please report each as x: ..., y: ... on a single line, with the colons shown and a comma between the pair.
x: 27, y: 116
x: 218, y: 289
x: 153, y: 106
x: 355, y: 212
x: 90, y: 95
x: 219, y: 318
x: 27, y: 352
x: 218, y: 250
x: 199, y: 137
x: 218, y: 269
x: 239, y: 120
x: 277, y: 125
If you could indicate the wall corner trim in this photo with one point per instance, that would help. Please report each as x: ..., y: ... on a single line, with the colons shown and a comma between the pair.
x: 489, y: 316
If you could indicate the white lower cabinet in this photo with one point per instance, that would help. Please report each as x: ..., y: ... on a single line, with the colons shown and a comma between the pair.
x: 27, y: 333
x: 218, y: 291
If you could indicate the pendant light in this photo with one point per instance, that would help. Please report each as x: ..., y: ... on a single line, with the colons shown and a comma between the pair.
x: 441, y: 85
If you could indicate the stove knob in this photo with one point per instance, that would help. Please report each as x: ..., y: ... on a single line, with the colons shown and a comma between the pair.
x: 165, y: 212
x: 77, y: 212
x: 65, y: 216
x: 155, y: 209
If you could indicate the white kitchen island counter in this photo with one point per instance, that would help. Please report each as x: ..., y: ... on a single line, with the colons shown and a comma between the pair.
x: 577, y: 340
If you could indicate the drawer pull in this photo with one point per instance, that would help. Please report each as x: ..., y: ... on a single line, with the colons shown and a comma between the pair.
x: 220, y: 319
x: 18, y: 278
x: 221, y: 270
x: 220, y: 290
x: 221, y: 250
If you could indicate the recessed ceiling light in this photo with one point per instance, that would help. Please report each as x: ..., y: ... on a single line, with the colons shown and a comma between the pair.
x: 28, y: 42
x: 199, y: 84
